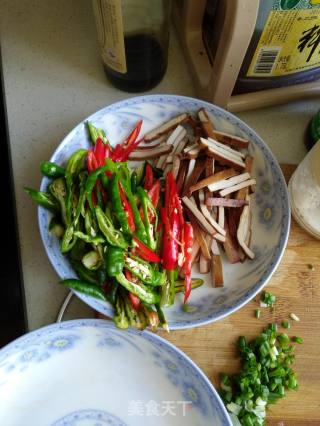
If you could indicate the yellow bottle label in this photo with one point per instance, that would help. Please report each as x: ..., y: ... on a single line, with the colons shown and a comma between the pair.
x: 108, y: 15
x: 290, y: 43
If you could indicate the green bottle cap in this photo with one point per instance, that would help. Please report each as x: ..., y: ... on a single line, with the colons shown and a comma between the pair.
x: 314, y: 130
x: 315, y: 127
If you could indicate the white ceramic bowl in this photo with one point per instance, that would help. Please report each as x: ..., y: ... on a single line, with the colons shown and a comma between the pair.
x: 89, y: 373
x: 270, y: 207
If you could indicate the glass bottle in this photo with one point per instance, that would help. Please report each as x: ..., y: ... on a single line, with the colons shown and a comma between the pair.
x: 304, y: 192
x: 133, y: 37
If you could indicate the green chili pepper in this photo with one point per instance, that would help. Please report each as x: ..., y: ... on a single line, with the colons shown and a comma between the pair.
x: 102, y: 275
x: 140, y: 173
x: 114, y: 260
x: 82, y: 197
x: 69, y: 197
x: 133, y: 182
x: 68, y: 240
x: 77, y: 162
x: 78, y: 250
x: 140, y: 231
x: 59, y: 190
x: 172, y: 291
x: 120, y: 318
x: 136, y: 319
x: 90, y: 224
x: 91, y: 181
x: 124, y: 174
x: 96, y: 133
x: 112, y: 167
x: 88, y: 239
x: 140, y: 290
x: 168, y: 290
x: 147, y: 205
x: 52, y: 170
x: 99, y: 197
x: 113, y: 236
x: 151, y: 315
x: 144, y: 271
x: 83, y: 273
x: 44, y: 199
x: 162, y: 318
x: 84, y: 287
x: 118, y: 206
x: 112, y: 293
x: 195, y: 283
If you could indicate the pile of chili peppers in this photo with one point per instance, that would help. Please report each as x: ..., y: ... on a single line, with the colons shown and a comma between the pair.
x: 123, y: 231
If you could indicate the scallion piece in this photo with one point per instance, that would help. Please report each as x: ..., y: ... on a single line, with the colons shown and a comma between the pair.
x: 297, y: 339
x: 257, y: 313
x: 286, y: 324
x: 268, y: 299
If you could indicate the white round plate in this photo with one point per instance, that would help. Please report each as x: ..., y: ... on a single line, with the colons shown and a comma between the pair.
x: 270, y: 207
x: 89, y: 373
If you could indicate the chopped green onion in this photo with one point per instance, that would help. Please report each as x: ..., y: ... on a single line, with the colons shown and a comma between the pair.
x: 292, y: 382
x: 189, y: 308
x: 242, y: 342
x: 274, y: 327
x: 268, y: 299
x: 234, y: 408
x: 265, y: 376
x: 297, y: 339
x: 257, y: 313
x: 286, y: 324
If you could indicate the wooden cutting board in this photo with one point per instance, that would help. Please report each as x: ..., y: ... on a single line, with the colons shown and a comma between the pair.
x: 297, y: 288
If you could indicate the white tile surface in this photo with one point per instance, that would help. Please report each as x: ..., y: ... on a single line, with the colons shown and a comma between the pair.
x: 53, y: 78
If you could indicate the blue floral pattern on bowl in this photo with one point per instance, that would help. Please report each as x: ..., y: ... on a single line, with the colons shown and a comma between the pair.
x: 96, y: 374
x: 271, y: 211
x: 94, y: 417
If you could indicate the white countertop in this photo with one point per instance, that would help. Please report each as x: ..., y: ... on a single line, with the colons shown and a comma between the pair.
x: 53, y: 79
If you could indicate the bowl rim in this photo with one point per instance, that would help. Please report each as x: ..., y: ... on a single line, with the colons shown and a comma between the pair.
x: 286, y: 219
x: 108, y: 324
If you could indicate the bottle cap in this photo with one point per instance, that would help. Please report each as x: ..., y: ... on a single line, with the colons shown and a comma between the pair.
x: 314, y: 131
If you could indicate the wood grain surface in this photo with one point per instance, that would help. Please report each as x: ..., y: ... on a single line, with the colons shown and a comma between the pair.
x: 297, y: 288
x: 213, y: 347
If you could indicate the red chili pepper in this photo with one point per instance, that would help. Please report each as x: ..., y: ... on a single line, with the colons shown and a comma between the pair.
x: 133, y: 135
x: 144, y: 252
x: 127, y: 151
x: 154, y: 193
x: 188, y: 242
x: 116, y: 152
x: 100, y: 152
x: 165, y: 220
x: 92, y: 163
x: 171, y: 193
x: 94, y: 198
x: 122, y: 152
x: 148, y: 183
x: 135, y: 301
x: 127, y: 208
x: 171, y: 218
x: 170, y: 248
